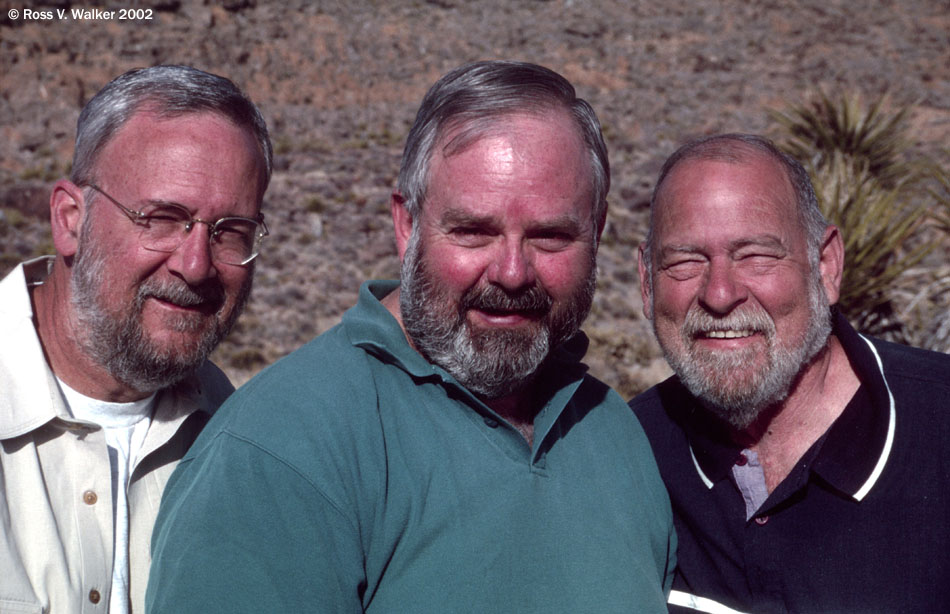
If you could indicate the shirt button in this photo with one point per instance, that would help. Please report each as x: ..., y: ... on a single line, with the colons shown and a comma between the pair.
x: 89, y: 498
x: 742, y: 460
x: 761, y: 520
x: 94, y: 596
x: 491, y: 422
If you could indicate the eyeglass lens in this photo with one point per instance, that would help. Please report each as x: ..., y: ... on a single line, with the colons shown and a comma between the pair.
x: 233, y: 240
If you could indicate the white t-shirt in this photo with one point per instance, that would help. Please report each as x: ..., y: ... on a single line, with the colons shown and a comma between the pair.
x: 124, y: 425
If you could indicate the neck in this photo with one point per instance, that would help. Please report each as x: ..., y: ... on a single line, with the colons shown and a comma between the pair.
x: 519, y: 410
x: 817, y: 399
x: 58, y: 329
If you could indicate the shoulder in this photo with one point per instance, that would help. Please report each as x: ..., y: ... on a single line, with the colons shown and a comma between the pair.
x: 914, y: 364
x: 598, y: 401
x: 659, y: 410
x: 655, y: 406
x: 214, y: 385
x: 305, y: 399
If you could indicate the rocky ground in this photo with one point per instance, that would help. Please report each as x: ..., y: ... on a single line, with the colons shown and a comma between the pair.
x: 339, y: 83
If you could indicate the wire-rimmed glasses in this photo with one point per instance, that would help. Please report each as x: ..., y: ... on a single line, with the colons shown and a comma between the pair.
x: 163, y: 227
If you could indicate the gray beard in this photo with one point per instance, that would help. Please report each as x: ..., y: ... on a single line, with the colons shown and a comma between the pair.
x: 711, y: 376
x: 119, y: 343
x: 491, y: 364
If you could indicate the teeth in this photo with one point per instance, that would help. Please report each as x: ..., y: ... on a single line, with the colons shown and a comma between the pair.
x: 729, y: 334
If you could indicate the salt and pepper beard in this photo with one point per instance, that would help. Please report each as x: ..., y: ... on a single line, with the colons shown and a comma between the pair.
x: 490, y: 363
x: 118, y: 341
x: 714, y: 376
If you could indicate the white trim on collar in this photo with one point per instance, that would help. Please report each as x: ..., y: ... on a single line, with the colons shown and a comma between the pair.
x: 885, y: 453
x: 699, y: 470
x: 889, y: 442
x: 700, y: 604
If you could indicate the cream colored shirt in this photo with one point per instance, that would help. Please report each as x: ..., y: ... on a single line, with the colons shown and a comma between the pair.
x: 56, y: 508
x: 125, y: 427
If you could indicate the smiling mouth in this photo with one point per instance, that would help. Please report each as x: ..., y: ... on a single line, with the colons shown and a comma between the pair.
x: 727, y: 334
x: 202, y: 307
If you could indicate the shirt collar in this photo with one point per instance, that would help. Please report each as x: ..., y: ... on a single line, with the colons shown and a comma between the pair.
x: 370, y: 326
x: 32, y: 397
x: 850, y: 455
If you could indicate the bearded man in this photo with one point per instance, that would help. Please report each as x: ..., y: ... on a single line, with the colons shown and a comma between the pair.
x: 104, y: 378
x: 442, y: 449
x: 806, y: 463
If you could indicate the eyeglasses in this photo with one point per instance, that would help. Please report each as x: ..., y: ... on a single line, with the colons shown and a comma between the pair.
x: 164, y: 227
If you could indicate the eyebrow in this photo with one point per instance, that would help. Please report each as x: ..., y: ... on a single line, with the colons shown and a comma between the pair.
x: 766, y: 240
x: 563, y: 223
x: 157, y: 202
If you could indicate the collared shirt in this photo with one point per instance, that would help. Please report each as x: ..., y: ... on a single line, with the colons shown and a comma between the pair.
x: 859, y: 525
x: 353, y: 476
x: 56, y: 516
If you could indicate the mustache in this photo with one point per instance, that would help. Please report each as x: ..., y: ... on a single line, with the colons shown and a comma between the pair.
x: 533, y: 300
x: 211, y: 293
x: 698, y: 322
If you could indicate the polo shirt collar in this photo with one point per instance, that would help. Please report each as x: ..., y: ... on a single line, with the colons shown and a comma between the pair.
x: 849, y: 456
x: 370, y: 326
x: 857, y: 445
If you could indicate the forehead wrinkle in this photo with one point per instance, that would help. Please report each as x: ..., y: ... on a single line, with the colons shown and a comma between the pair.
x: 458, y: 215
x: 763, y: 240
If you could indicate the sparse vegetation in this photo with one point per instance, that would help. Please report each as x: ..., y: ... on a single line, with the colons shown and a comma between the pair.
x: 870, y: 186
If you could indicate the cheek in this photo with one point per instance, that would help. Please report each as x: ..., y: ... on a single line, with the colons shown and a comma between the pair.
x: 672, y: 299
x: 233, y: 281
x: 455, y: 267
x: 781, y: 296
x: 563, y: 274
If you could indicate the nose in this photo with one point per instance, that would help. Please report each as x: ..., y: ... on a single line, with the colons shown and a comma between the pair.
x: 722, y: 291
x: 511, y: 268
x: 192, y: 260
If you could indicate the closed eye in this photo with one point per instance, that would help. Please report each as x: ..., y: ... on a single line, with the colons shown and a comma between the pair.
x: 165, y: 214
x: 552, y: 241
x: 684, y: 268
x: 758, y: 261
x: 470, y: 236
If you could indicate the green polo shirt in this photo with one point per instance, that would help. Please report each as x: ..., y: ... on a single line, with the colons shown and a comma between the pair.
x: 353, y: 475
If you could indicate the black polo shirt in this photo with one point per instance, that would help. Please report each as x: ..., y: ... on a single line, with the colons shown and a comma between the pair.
x: 861, y: 524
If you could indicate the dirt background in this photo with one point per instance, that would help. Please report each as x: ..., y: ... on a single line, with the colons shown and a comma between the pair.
x: 339, y: 83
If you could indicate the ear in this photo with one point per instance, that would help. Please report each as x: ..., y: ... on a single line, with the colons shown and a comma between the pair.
x: 601, y: 224
x: 646, y: 291
x: 831, y: 263
x: 402, y: 222
x: 66, y: 208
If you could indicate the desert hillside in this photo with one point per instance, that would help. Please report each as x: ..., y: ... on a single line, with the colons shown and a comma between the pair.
x: 339, y: 83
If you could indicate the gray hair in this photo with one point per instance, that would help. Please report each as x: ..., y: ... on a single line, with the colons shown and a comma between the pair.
x: 735, y: 148
x: 475, y: 97
x: 168, y: 91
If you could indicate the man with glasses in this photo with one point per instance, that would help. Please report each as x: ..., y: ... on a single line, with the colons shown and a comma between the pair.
x: 442, y: 449
x: 104, y: 378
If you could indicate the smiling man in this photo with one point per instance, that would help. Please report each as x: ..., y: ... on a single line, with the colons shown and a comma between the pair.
x: 103, y: 368
x: 442, y: 449
x: 806, y: 464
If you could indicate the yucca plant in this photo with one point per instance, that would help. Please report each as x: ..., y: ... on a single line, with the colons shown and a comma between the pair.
x: 873, y: 138
x: 940, y: 193
x: 868, y: 187
x: 880, y: 230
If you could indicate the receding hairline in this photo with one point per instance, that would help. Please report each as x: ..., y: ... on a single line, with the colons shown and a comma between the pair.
x: 730, y: 152
x: 152, y: 111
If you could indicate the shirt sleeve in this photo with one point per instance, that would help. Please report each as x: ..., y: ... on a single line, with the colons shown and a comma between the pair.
x: 240, y: 530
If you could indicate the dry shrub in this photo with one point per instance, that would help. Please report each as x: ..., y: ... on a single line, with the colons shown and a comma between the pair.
x: 880, y: 198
